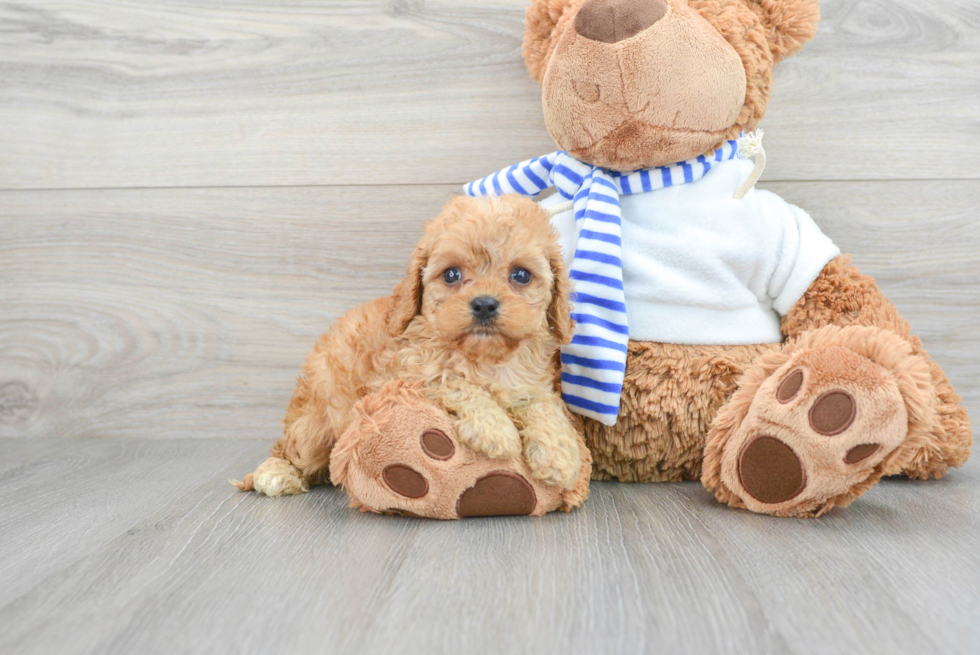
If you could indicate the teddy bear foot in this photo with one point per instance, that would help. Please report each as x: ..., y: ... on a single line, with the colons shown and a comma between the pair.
x: 822, y: 427
x: 401, y: 455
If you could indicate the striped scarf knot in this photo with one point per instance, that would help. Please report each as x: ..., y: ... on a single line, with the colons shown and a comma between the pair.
x: 594, y: 363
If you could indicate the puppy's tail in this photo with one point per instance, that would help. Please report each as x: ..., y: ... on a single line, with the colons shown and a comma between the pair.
x: 244, y: 485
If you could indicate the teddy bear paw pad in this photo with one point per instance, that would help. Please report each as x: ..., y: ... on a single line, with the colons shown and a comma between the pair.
x: 770, y: 471
x: 437, y: 445
x: 501, y: 493
x: 405, y: 480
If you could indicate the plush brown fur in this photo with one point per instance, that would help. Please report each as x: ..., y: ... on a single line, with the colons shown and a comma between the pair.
x: 671, y: 395
x: 624, y: 96
x: 496, y: 378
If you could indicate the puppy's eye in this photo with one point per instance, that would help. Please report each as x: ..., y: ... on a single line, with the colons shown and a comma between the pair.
x: 452, y: 275
x: 520, y: 275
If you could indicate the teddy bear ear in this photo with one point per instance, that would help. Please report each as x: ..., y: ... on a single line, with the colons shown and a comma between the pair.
x: 789, y: 23
x: 542, y: 27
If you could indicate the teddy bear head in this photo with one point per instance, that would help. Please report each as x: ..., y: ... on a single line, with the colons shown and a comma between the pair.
x: 630, y: 84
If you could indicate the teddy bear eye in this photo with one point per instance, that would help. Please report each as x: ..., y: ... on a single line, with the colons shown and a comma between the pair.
x: 452, y: 275
x: 587, y: 91
x: 520, y: 275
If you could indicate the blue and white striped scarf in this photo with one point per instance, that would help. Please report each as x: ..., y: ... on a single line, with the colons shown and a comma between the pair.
x: 594, y: 363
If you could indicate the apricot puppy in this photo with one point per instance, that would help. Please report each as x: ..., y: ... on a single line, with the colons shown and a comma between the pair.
x: 476, y: 324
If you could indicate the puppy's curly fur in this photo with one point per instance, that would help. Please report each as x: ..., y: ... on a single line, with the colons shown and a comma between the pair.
x: 497, y: 377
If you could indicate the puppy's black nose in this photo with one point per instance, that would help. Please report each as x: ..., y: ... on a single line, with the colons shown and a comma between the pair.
x: 484, y: 308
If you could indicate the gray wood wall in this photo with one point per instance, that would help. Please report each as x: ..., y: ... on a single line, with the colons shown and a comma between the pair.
x: 192, y: 190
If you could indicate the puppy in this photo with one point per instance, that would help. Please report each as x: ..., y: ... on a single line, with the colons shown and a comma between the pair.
x: 477, y: 322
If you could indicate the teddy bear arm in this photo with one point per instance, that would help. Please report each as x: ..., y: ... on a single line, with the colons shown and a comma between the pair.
x: 842, y: 296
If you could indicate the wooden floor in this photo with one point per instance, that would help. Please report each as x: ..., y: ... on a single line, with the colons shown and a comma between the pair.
x: 140, y: 546
x: 192, y: 190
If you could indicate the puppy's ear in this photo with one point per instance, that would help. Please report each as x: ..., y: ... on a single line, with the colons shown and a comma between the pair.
x: 406, y: 299
x: 559, y: 311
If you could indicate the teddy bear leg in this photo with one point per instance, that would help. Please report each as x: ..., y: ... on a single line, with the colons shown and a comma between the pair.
x: 401, y: 455
x: 820, y: 422
x: 843, y: 296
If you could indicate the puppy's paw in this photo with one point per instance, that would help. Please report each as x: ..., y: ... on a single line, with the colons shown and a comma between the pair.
x: 278, y: 477
x: 553, y: 461
x: 492, y: 434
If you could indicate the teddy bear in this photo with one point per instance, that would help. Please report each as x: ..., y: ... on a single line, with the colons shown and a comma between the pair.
x: 720, y: 336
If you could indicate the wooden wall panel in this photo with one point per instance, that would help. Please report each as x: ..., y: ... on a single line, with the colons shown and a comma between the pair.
x: 164, y: 93
x: 188, y: 313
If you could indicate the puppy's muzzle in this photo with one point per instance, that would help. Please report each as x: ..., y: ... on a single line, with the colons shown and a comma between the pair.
x: 485, y: 309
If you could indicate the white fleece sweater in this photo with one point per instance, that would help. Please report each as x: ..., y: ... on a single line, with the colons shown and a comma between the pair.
x: 700, y: 267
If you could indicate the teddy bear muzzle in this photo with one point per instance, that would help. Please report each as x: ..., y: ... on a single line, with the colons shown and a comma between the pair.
x: 635, y: 84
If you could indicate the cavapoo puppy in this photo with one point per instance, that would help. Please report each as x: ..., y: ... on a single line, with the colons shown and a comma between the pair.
x: 476, y: 324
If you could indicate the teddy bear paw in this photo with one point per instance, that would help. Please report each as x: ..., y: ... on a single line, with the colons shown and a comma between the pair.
x: 816, y: 434
x: 402, y: 455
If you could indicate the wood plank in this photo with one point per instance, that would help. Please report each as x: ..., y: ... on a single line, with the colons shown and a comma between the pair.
x: 867, y: 553
x: 151, y: 93
x: 640, y: 568
x: 65, y: 499
x: 188, y: 313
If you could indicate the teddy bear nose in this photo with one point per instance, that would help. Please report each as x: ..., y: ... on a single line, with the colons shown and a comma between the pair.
x: 484, y: 308
x: 612, y: 21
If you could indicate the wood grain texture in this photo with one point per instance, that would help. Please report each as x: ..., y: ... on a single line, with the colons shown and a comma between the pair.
x: 188, y: 313
x: 163, y: 93
x: 65, y: 499
x: 191, y: 565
